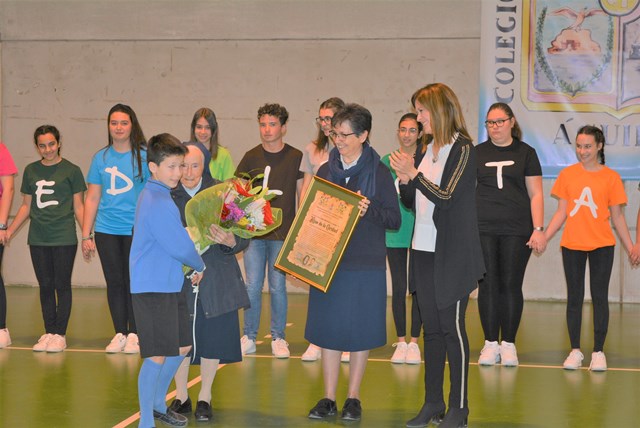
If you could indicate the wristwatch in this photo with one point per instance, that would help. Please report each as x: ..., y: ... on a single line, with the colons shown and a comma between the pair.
x: 3, y: 226
x: 539, y: 228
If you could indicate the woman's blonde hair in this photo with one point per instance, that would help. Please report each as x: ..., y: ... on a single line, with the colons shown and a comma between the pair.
x: 445, y: 111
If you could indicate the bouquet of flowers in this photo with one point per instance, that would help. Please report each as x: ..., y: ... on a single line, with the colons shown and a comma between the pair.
x: 235, y: 205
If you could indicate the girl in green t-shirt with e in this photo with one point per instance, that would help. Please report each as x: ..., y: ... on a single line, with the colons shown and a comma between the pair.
x: 52, y: 190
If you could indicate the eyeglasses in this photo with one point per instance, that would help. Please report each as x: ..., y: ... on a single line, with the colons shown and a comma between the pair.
x: 340, y: 136
x: 497, y: 122
x: 412, y: 131
x: 325, y: 119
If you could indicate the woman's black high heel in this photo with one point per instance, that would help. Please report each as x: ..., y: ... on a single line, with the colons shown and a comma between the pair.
x: 430, y: 412
x: 455, y: 418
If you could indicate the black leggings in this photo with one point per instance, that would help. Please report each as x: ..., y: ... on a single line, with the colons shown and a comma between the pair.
x: 53, y: 267
x: 398, y: 258
x: 500, y: 299
x: 114, y: 256
x: 600, y: 265
x: 3, y: 295
x: 445, y: 336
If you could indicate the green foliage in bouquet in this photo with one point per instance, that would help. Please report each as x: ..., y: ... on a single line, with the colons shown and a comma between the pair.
x: 235, y: 206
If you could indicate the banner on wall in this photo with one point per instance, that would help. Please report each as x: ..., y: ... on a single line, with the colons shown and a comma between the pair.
x: 561, y: 64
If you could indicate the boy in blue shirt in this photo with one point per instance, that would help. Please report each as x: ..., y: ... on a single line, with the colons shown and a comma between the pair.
x: 160, y: 247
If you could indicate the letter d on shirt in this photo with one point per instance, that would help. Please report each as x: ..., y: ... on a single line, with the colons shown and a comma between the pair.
x: 113, y: 190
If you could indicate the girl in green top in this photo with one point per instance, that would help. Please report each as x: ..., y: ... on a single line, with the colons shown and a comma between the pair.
x: 398, y: 244
x: 204, y: 129
x: 53, y: 190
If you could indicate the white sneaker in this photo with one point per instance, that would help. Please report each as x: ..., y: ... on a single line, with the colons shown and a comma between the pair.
x: 57, y: 343
x: 400, y: 354
x: 508, y: 354
x: 280, y: 348
x: 5, y: 338
x: 247, y: 345
x: 574, y: 360
x: 490, y: 354
x: 598, y: 362
x: 131, y: 346
x: 117, y: 344
x: 313, y: 353
x: 413, y: 354
x: 344, y: 358
x: 43, y: 342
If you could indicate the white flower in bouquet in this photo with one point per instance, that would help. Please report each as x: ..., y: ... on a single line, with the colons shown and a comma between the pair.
x: 255, y: 213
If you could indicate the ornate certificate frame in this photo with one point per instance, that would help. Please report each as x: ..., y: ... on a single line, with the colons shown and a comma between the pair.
x: 320, y: 233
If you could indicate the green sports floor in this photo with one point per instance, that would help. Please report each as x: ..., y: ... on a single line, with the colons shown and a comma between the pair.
x: 84, y: 387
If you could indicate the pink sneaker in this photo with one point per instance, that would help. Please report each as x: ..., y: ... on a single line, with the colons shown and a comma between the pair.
x: 400, y: 355
x: 280, y: 348
x: 508, y: 354
x: 117, y: 344
x: 490, y: 354
x: 43, y: 342
x: 131, y: 346
x: 413, y: 354
x: 574, y: 360
x: 57, y: 343
x: 598, y: 362
x: 5, y: 338
x: 313, y: 353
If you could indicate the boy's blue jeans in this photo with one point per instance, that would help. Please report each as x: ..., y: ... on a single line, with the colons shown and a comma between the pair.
x: 259, y: 254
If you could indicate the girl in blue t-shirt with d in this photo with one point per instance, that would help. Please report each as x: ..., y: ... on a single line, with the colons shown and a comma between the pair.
x: 116, y: 177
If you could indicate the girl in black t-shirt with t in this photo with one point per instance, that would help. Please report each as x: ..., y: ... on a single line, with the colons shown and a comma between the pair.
x: 510, y: 218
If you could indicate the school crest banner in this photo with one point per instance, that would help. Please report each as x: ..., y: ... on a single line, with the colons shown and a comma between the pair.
x: 561, y: 64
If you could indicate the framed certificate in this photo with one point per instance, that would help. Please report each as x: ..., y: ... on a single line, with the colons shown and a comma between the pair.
x: 319, y: 234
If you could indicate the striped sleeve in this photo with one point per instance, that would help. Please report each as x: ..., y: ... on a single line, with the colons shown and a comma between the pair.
x: 445, y: 193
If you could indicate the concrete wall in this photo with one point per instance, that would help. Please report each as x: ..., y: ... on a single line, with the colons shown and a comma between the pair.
x: 68, y: 62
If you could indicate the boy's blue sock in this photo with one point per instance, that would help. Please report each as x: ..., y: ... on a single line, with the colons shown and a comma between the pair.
x: 169, y: 369
x: 147, y: 381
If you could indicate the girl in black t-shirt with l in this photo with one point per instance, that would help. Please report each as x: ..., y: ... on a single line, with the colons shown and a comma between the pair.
x: 510, y: 218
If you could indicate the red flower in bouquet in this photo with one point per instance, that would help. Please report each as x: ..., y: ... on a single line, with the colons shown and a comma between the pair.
x: 242, y: 187
x: 268, y: 215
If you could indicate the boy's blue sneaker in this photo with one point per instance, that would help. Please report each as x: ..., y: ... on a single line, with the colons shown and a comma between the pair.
x: 171, y: 418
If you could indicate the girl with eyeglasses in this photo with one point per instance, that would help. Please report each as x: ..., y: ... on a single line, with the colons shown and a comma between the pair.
x: 590, y: 196
x: 398, y: 244
x: 511, y: 219
x: 317, y: 152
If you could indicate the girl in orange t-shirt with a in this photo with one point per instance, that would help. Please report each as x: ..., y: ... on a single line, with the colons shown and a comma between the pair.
x: 588, y: 193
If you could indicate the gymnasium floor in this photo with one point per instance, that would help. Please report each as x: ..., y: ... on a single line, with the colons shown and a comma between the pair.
x: 84, y: 387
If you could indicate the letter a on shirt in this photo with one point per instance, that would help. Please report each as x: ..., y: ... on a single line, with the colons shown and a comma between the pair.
x: 40, y: 190
x: 586, y: 199
x: 113, y: 190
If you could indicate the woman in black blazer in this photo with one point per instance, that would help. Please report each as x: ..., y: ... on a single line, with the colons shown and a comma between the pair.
x: 446, y: 257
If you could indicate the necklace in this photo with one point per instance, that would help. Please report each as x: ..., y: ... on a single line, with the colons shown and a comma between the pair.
x: 435, y: 155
